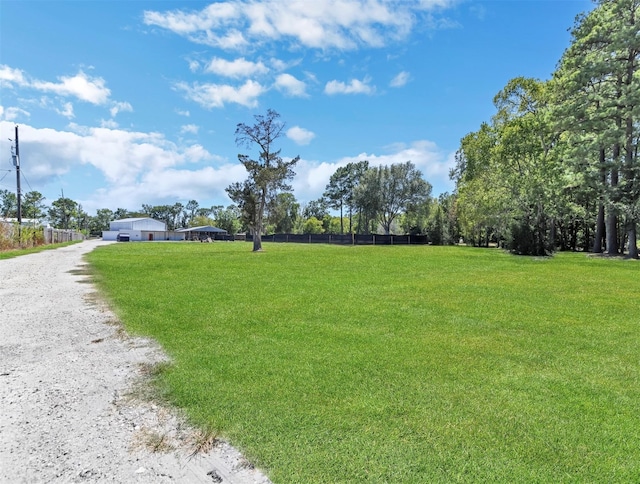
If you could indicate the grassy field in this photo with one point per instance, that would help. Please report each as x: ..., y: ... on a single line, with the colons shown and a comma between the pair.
x: 395, y: 364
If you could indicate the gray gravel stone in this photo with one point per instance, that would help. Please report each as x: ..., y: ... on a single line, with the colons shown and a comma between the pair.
x: 66, y: 375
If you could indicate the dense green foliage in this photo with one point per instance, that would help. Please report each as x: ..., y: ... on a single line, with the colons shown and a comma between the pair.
x: 557, y: 167
x: 395, y: 364
x: 32, y: 205
x: 386, y: 192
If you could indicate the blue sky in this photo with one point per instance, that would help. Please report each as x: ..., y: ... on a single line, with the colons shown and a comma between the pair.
x: 121, y: 103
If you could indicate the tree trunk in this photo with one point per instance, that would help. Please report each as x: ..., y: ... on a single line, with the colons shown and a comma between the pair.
x: 257, y: 241
x: 341, y: 222
x: 574, y: 236
x: 633, y: 245
x: 612, y: 218
x: 257, y: 235
x: 612, y: 233
x: 586, y: 239
x: 600, y: 227
x: 631, y: 136
x: 597, y: 243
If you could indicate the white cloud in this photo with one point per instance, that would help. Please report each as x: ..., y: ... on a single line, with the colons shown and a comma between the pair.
x: 326, y: 24
x: 197, y: 153
x: 312, y: 177
x: 82, y: 86
x: 66, y: 111
x: 12, y: 113
x: 189, y: 128
x: 436, y: 4
x: 278, y: 65
x: 184, y: 113
x: 400, y: 80
x: 237, y: 68
x: 291, y: 86
x: 428, y: 158
x: 120, y: 107
x: 169, y: 186
x: 355, y: 86
x: 300, y: 135
x: 217, y: 95
x: 136, y: 167
x: 9, y: 76
x: 311, y: 77
x: 121, y: 156
x: 201, y: 26
x: 108, y: 123
x: 140, y: 167
x: 210, y: 17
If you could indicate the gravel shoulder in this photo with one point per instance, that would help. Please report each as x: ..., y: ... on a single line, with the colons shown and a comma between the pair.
x: 67, y: 375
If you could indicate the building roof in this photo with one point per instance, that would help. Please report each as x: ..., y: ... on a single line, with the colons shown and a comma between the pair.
x: 203, y: 228
x: 133, y: 219
x: 25, y: 221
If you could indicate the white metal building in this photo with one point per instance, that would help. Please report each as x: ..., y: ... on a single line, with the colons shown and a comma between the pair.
x: 144, y: 228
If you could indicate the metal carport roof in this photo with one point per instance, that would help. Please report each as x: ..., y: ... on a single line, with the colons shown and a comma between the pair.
x: 204, y: 228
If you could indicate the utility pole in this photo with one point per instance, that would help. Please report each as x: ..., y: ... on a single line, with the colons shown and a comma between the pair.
x: 16, y: 163
x: 65, y: 224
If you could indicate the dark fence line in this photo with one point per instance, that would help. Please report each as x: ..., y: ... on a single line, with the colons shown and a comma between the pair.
x: 355, y: 239
x: 230, y: 238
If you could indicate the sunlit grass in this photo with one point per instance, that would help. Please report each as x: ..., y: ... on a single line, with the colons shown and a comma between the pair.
x: 395, y: 364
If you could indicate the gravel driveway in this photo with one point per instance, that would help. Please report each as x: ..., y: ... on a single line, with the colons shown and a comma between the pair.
x: 66, y: 374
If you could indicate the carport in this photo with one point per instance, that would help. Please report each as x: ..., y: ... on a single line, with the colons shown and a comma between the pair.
x: 205, y: 232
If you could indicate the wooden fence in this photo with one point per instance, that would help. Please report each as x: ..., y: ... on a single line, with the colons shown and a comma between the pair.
x: 56, y: 236
x: 28, y: 236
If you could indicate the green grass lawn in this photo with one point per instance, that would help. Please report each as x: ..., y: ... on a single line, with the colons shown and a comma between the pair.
x: 395, y: 364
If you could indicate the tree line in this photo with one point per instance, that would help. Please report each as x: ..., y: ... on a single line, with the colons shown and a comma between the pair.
x: 392, y: 199
x: 283, y: 214
x: 556, y: 167
x: 65, y: 213
x: 369, y: 199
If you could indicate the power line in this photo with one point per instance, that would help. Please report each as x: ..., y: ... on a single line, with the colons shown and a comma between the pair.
x: 25, y: 179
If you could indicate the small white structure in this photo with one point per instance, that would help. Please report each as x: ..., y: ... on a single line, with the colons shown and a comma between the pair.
x: 143, y: 228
